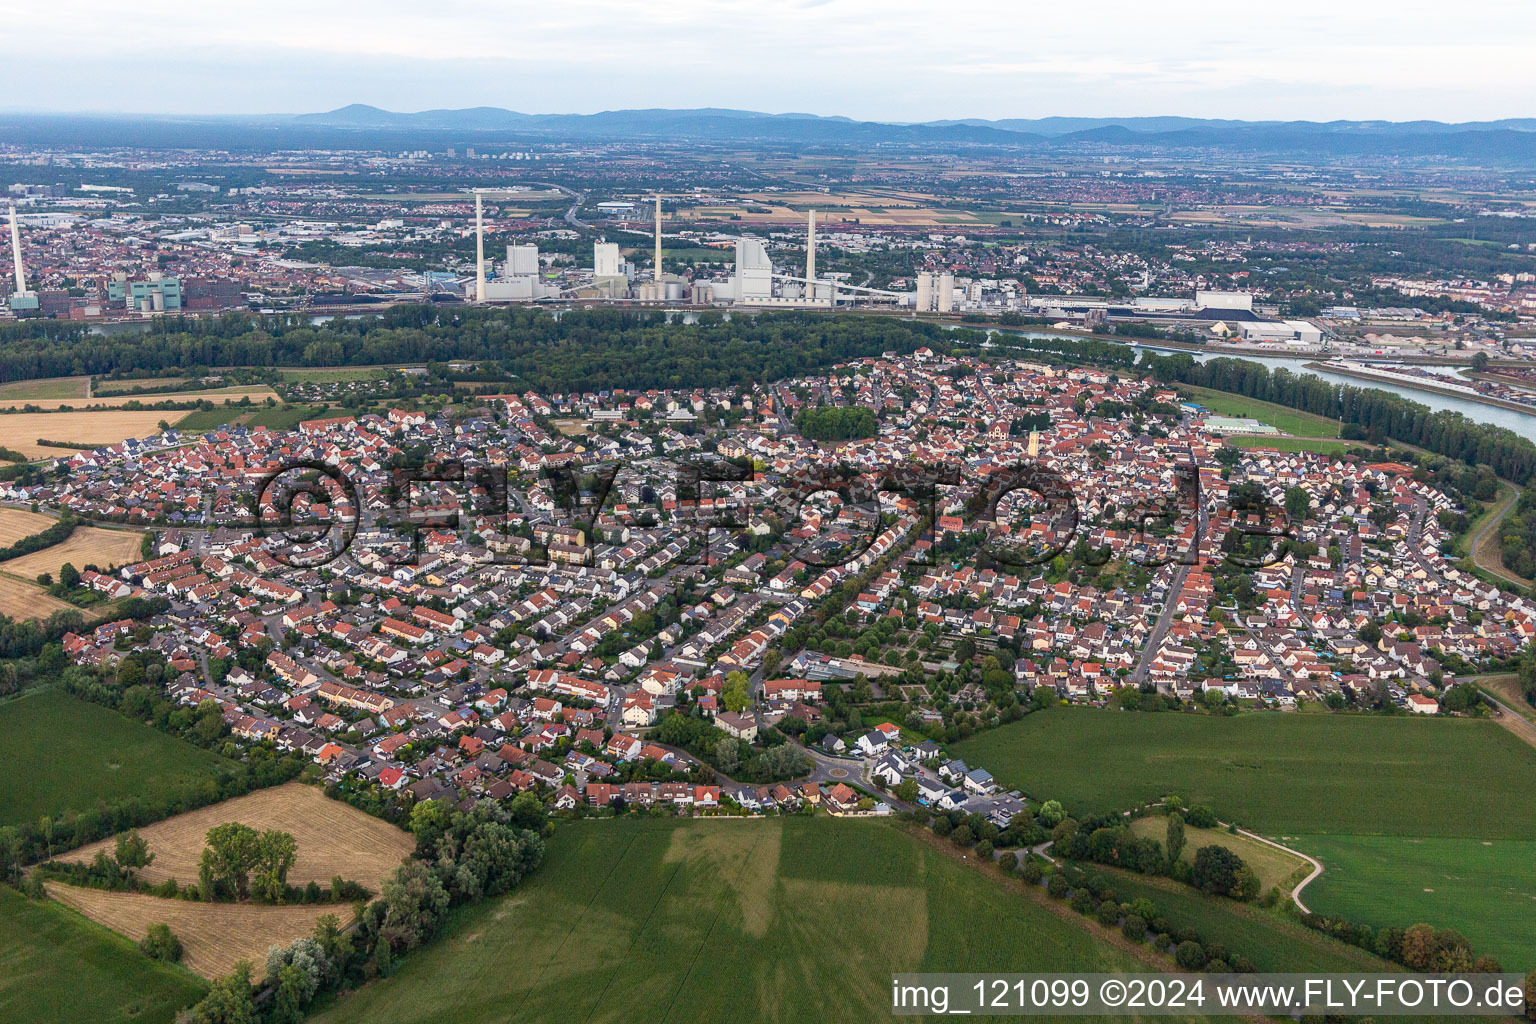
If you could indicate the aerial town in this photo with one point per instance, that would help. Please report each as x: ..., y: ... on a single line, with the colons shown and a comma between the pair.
x: 946, y: 553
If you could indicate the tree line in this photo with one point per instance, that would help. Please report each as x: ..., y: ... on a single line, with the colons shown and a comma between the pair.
x: 576, y: 350
x: 1374, y: 414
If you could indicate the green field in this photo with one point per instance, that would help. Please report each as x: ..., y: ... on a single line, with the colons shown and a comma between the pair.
x: 1282, y: 418
x: 65, y: 754
x: 783, y: 919
x: 1275, y: 772
x: 1486, y: 889
x: 278, y: 417
x: 331, y: 374
x: 57, y: 967
x: 1294, y: 444
x: 1271, y: 941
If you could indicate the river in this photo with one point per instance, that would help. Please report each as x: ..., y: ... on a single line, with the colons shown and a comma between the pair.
x: 1521, y: 423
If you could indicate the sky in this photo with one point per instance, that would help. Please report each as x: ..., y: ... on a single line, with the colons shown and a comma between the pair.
x: 892, y: 60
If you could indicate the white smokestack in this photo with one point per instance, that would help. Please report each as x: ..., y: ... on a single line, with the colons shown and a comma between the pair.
x: 479, y: 248
x: 810, y: 256
x: 657, y: 274
x: 21, y: 274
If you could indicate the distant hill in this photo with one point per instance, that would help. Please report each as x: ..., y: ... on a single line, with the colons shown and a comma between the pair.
x: 1510, y: 142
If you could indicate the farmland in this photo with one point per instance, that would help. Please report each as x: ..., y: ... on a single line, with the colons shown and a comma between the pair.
x: 333, y: 838
x: 56, y: 966
x: 214, y: 936
x: 16, y: 524
x: 1274, y: 772
x: 20, y: 600
x: 112, y: 758
x: 107, y: 400
x: 1486, y: 889
x: 43, y: 393
x: 88, y: 545
x: 21, y: 431
x: 711, y: 920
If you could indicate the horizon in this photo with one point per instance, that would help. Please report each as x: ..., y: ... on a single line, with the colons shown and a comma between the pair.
x: 856, y: 58
x: 85, y: 112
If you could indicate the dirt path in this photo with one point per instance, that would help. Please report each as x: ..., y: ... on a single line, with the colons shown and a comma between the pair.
x: 1484, y: 544
x: 1511, y: 718
x: 1317, y: 866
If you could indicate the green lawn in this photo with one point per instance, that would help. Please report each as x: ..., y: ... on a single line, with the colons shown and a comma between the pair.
x: 55, y: 966
x: 1275, y: 868
x: 722, y: 920
x: 1282, y: 418
x: 64, y: 754
x: 1276, y: 772
x: 1295, y: 444
x: 1486, y: 889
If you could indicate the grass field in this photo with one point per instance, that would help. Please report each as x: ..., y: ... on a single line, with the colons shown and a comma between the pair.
x: 331, y: 374
x: 104, y: 400
x: 1275, y: 868
x: 57, y: 967
x: 76, y: 753
x: 88, y: 545
x: 214, y: 936
x: 1275, y: 772
x: 41, y: 392
x: 1282, y: 418
x: 1294, y: 444
x: 722, y: 920
x: 16, y: 524
x: 1486, y: 889
x: 1272, y: 942
x: 280, y: 417
x: 333, y: 838
x: 21, y: 431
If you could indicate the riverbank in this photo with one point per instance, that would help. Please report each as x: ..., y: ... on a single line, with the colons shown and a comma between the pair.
x: 1419, y: 384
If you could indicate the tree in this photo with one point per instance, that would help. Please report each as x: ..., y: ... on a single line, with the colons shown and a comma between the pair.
x: 159, y: 943
x: 414, y: 903
x: 1297, y: 503
x: 275, y: 854
x: 1245, y: 885
x: 228, y: 1001
x: 906, y: 790
x: 1051, y: 813
x: 1175, y: 841
x: 69, y: 576
x: 727, y: 754
x: 133, y: 851
x: 1370, y: 633
x: 737, y: 693
x: 230, y: 855
x: 1215, y: 870
x: 1190, y: 955
x: 429, y: 820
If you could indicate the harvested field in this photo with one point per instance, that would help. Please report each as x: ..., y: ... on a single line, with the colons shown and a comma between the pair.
x: 102, y: 427
x: 20, y: 599
x: 333, y: 838
x: 88, y: 545
x: 16, y: 524
x: 214, y: 936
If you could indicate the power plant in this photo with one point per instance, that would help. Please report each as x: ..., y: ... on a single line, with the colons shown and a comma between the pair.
x: 754, y: 280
